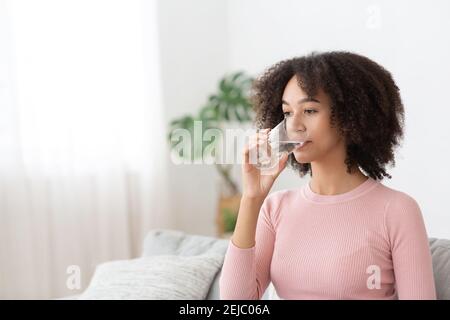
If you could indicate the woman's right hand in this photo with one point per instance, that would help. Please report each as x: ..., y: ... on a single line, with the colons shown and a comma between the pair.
x: 257, y: 183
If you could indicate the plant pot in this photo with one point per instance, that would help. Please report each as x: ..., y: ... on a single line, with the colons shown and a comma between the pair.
x: 227, y: 211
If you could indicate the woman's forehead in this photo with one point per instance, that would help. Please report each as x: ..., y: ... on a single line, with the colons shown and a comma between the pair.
x: 297, y: 98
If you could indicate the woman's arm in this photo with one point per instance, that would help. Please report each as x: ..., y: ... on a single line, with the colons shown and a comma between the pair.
x: 245, y: 272
x: 410, y: 250
x: 245, y: 230
x: 246, y: 268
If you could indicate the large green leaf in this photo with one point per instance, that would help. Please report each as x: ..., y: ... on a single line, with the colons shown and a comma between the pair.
x: 230, y: 102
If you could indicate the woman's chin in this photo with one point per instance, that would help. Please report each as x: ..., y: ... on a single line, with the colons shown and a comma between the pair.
x: 301, y: 158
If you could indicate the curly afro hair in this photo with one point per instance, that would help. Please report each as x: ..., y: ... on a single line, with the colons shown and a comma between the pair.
x: 366, y: 105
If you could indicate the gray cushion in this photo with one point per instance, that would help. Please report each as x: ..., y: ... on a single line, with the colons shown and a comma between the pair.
x: 440, y: 253
x: 161, y: 277
x: 166, y: 241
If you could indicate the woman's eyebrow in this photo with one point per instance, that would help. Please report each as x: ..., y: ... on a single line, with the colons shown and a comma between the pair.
x: 308, y: 99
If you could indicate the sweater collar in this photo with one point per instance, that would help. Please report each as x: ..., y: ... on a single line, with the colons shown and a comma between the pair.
x: 320, y: 198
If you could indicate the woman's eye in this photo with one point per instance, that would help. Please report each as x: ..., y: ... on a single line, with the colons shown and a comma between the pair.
x: 307, y: 111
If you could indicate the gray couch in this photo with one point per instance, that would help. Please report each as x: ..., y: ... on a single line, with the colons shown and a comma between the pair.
x: 164, y: 241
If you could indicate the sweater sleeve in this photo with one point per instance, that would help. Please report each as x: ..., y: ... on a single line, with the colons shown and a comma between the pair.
x: 246, y: 271
x: 410, y: 250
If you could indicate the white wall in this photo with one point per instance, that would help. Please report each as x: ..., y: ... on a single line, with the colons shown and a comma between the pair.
x: 194, y: 55
x: 203, y: 39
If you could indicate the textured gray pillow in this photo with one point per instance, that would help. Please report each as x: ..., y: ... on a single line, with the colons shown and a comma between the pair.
x: 440, y: 253
x: 164, y: 277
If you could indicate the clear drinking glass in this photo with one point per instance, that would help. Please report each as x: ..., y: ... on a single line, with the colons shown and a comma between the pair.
x: 279, y: 143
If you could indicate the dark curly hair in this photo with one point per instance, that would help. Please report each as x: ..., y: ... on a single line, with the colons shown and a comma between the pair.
x: 365, y: 105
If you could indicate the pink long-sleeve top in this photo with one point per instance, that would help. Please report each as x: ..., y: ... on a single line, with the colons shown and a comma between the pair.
x: 368, y: 243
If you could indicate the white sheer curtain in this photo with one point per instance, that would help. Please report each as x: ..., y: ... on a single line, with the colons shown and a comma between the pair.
x: 82, y: 175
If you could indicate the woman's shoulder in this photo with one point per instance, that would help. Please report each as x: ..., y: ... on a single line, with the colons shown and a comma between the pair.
x: 282, y: 195
x: 395, y: 196
x: 274, y: 199
x: 272, y: 204
x: 400, y: 206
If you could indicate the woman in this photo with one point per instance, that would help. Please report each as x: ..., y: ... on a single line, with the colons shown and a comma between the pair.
x: 342, y: 235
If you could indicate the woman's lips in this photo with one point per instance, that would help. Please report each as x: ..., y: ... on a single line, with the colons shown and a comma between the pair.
x: 300, y: 147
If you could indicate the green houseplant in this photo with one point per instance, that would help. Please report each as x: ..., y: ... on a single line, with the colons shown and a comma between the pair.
x: 230, y: 103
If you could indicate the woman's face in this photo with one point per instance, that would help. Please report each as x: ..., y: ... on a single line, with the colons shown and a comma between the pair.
x: 308, y: 119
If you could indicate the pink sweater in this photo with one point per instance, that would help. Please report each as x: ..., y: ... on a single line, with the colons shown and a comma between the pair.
x: 368, y: 243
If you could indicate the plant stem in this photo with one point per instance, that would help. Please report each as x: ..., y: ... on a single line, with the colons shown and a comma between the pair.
x: 225, y: 173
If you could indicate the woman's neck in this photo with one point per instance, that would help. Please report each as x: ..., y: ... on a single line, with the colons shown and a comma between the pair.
x: 334, y: 180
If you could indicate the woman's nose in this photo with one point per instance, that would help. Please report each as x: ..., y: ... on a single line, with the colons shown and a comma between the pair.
x: 295, y: 124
